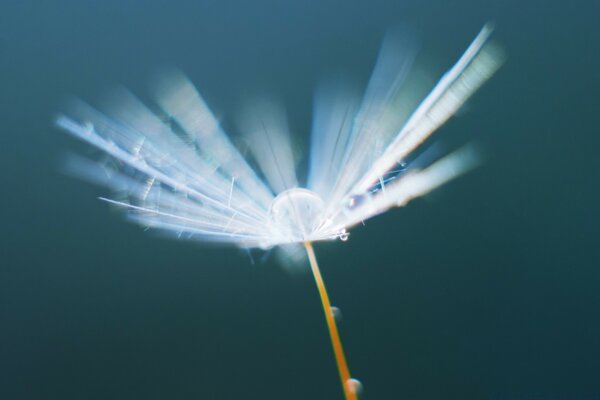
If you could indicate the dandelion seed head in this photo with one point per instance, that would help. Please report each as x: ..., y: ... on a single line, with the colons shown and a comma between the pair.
x: 174, y: 168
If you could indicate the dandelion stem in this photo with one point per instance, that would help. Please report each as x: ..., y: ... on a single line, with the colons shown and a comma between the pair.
x: 338, y: 350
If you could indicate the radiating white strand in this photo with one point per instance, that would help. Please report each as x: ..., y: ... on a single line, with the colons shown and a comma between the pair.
x: 410, y: 186
x: 148, y: 192
x: 167, y: 201
x: 335, y: 106
x: 98, y: 173
x: 170, y: 210
x: 187, y: 162
x: 265, y: 128
x: 89, y: 134
x: 179, y: 98
x: 475, y: 66
x: 182, y: 223
x: 153, y: 144
x: 238, y: 239
x: 377, y: 120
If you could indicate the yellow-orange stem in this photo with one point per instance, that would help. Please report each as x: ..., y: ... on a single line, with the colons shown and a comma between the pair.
x: 347, y: 384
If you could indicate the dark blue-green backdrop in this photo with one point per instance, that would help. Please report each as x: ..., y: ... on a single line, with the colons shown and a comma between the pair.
x: 488, y: 289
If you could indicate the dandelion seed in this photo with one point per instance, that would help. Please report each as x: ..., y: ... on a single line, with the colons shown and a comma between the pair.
x: 183, y: 175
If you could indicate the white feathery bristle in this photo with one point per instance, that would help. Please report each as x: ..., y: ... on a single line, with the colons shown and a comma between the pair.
x: 264, y: 125
x: 476, y: 65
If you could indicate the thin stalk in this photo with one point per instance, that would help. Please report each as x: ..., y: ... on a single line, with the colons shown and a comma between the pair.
x: 348, y: 384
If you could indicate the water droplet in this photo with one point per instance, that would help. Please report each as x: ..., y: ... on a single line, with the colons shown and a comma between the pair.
x: 88, y: 128
x: 296, y: 213
x: 337, y: 313
x: 354, y: 386
x: 356, y: 201
x: 343, y: 235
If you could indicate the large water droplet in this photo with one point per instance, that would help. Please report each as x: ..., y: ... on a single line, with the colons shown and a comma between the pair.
x: 296, y: 213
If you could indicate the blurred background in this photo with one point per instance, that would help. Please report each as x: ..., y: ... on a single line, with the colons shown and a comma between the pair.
x: 487, y: 289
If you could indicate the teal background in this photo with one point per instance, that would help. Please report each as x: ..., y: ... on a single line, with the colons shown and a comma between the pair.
x: 487, y: 289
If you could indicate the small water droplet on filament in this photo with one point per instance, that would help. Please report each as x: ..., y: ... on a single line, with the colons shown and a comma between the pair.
x: 354, y: 386
x: 337, y: 313
x: 356, y: 201
x: 88, y: 127
x: 343, y: 235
